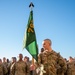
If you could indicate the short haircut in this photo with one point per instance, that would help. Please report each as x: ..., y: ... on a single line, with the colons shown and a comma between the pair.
x: 70, y: 57
x: 42, y: 49
x: 21, y: 54
x: 48, y: 40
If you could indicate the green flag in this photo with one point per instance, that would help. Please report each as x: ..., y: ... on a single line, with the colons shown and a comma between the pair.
x: 29, y: 41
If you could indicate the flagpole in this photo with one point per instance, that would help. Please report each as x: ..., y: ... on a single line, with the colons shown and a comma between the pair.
x: 31, y: 7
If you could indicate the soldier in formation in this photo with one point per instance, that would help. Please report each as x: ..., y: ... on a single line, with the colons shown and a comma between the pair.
x: 70, y: 67
x: 20, y: 67
x: 3, y: 69
x: 26, y: 60
x: 12, y: 64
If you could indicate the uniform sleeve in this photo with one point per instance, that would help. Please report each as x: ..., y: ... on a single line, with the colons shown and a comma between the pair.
x: 62, y: 63
x: 39, y: 59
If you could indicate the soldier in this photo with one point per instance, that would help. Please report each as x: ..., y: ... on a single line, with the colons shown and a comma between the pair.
x: 26, y: 60
x: 3, y: 69
x: 8, y: 66
x: 20, y: 67
x: 5, y: 64
x: 53, y: 63
x: 71, y: 67
x: 12, y: 64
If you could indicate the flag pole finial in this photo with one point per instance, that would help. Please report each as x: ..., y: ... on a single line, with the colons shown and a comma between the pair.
x: 31, y: 5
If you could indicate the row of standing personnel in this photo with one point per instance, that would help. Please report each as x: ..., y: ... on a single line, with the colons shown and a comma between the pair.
x: 20, y: 67
x: 53, y: 62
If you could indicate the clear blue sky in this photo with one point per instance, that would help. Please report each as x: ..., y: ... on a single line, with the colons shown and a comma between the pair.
x: 53, y: 19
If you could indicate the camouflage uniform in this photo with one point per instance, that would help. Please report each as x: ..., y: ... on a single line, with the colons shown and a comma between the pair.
x: 71, y: 68
x: 6, y: 66
x: 11, y: 68
x: 28, y: 66
x: 53, y: 63
x: 20, y: 68
x: 3, y: 69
